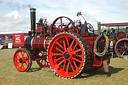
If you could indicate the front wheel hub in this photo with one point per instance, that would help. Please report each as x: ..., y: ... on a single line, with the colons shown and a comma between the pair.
x: 66, y: 55
x: 20, y: 60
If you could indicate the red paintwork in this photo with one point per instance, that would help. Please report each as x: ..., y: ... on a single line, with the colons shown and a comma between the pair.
x: 17, y: 38
x: 97, y: 62
x: 40, y: 43
x: 39, y: 30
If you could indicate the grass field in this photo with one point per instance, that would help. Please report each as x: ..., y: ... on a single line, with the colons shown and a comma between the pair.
x: 118, y: 74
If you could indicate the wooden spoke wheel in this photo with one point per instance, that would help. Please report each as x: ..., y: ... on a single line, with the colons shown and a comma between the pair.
x: 121, y: 35
x: 68, y: 55
x: 22, y: 60
x: 121, y: 47
x: 42, y: 62
x: 62, y: 24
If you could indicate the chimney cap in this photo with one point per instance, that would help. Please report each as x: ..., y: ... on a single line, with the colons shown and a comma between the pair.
x: 32, y: 9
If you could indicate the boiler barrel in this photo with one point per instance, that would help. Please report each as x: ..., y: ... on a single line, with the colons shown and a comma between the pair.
x: 37, y: 43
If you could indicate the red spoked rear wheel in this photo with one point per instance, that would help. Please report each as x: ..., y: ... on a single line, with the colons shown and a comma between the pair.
x: 121, y: 47
x: 66, y: 55
x: 22, y: 60
x: 42, y: 62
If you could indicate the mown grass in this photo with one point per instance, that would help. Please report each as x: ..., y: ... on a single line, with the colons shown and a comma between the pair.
x: 118, y: 74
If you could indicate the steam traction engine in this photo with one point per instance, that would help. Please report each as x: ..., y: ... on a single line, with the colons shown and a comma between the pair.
x: 121, y: 46
x: 68, y: 52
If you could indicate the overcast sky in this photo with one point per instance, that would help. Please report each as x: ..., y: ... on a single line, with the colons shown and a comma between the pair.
x: 14, y: 14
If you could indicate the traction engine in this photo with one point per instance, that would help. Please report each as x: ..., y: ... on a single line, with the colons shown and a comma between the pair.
x: 68, y: 52
x: 121, y: 46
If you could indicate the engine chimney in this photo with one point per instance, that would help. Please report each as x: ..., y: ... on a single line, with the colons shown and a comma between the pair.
x: 33, y: 20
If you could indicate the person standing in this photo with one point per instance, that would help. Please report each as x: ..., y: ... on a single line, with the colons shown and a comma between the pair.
x: 83, y: 23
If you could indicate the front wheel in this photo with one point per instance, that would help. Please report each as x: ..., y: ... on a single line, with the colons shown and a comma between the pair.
x: 22, y: 60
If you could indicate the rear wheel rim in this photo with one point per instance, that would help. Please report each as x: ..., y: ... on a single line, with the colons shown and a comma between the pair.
x: 66, y: 56
x: 22, y: 60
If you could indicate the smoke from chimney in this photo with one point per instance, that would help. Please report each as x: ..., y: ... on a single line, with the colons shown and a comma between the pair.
x: 14, y: 4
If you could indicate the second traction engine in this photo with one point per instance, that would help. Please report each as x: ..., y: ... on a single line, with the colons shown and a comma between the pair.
x: 68, y: 52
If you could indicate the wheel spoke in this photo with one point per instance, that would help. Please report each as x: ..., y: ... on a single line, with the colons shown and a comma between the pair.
x: 41, y: 61
x: 120, y: 49
x: 23, y: 54
x: 59, y: 45
x: 18, y: 63
x: 59, y: 50
x: 18, y: 56
x: 72, y: 44
x: 57, y: 54
x: 64, y: 44
x: 78, y: 50
x: 79, y: 56
x: 17, y: 59
x: 121, y: 46
x: 23, y: 67
x: 125, y: 44
x: 71, y: 65
x: 75, y: 64
x: 67, y: 25
x: 64, y: 65
x: 26, y: 56
x: 76, y: 60
x: 123, y: 53
x: 67, y: 41
x: 59, y: 63
x: 59, y: 58
x: 67, y: 67
x: 55, y: 27
x: 26, y: 64
x: 61, y: 23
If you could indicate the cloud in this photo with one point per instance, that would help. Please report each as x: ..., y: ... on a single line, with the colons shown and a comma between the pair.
x: 15, y: 14
x: 14, y: 22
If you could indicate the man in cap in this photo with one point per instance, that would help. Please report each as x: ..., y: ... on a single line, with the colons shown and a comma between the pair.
x: 82, y: 21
